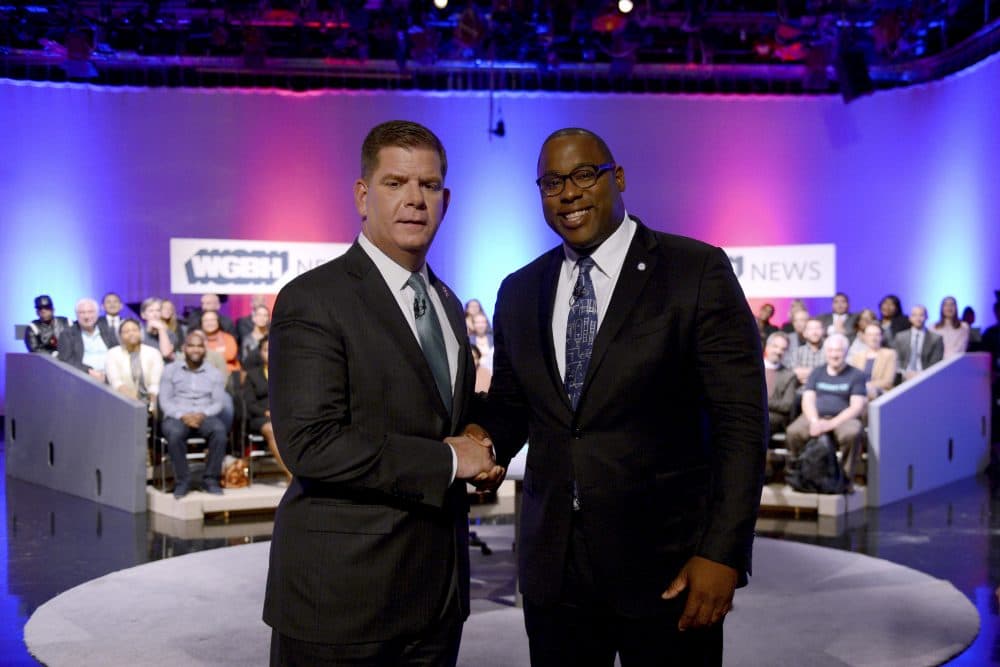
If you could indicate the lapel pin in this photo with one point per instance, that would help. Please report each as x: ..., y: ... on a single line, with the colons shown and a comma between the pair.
x: 641, y: 266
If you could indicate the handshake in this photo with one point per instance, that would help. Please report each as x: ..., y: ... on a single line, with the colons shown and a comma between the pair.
x: 476, y: 461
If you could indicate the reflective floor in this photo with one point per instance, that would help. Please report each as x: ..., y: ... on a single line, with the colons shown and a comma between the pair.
x: 53, y: 541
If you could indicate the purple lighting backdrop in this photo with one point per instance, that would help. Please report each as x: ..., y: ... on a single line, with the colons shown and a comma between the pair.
x: 94, y: 182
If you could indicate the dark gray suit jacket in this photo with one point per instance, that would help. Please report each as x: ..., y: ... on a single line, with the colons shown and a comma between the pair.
x: 667, y: 443
x: 931, y: 350
x: 370, y: 541
x: 71, y: 344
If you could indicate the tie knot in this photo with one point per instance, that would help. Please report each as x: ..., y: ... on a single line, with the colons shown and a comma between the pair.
x: 416, y: 283
x: 585, y: 264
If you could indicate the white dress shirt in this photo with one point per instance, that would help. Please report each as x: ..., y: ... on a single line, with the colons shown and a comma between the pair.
x: 395, y: 277
x: 608, y: 260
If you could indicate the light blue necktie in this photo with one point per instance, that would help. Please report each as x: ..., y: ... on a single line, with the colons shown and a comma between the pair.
x: 431, y: 337
x: 581, y: 328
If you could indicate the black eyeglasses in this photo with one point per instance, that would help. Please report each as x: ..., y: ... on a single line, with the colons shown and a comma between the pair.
x: 583, y: 177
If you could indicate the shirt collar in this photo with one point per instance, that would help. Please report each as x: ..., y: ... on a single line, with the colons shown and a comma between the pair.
x: 610, y: 255
x: 394, y: 275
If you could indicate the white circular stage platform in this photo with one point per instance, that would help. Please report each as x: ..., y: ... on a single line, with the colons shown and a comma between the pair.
x: 805, y: 605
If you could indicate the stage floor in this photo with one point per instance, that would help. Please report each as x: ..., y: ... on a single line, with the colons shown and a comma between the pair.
x: 53, y: 542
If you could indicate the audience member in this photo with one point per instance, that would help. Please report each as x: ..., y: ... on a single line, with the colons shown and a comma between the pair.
x: 155, y: 332
x: 192, y: 396
x: 168, y: 314
x: 865, y: 317
x: 876, y: 362
x: 43, y: 334
x: 84, y: 345
x: 472, y: 308
x: 892, y: 321
x: 991, y: 339
x: 953, y: 331
x: 975, y: 335
x: 764, y: 326
x: 809, y: 356
x: 482, y: 338
x: 918, y: 349
x: 256, y: 397
x: 245, y: 324
x: 134, y: 369
x: 832, y: 403
x: 840, y: 320
x: 219, y: 340
x: 796, y: 305
x: 261, y: 321
x: 112, y: 318
x: 780, y: 381
x: 211, y: 303
x: 483, y: 375
x: 796, y: 327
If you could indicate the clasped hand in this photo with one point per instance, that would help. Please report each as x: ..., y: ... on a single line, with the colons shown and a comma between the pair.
x: 476, y: 461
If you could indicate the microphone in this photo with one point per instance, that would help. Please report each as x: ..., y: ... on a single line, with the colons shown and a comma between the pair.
x: 578, y: 290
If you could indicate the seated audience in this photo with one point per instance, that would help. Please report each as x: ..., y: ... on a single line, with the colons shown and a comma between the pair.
x: 953, y: 331
x: 764, y: 326
x: 809, y: 356
x: 261, y: 321
x: 155, y: 332
x: 245, y: 324
x: 876, y: 362
x: 85, y: 345
x: 918, y: 349
x: 483, y: 375
x: 168, y: 314
x: 991, y: 339
x: 840, y: 320
x: 865, y: 317
x: 210, y: 303
x: 892, y: 319
x: 975, y: 335
x: 192, y: 396
x: 472, y: 308
x: 832, y: 403
x: 220, y: 341
x: 112, y: 317
x: 258, y: 406
x: 43, y: 334
x: 781, y: 382
x: 134, y: 369
x: 482, y: 338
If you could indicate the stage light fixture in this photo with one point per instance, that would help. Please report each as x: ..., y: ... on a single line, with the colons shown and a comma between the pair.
x: 625, y: 6
x: 440, y: 4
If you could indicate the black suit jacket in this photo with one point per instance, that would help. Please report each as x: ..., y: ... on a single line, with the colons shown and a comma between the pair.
x: 849, y: 325
x: 256, y: 399
x: 667, y: 443
x: 370, y: 540
x: 71, y: 344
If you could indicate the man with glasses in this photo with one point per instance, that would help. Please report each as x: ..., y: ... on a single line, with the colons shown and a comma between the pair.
x: 630, y: 361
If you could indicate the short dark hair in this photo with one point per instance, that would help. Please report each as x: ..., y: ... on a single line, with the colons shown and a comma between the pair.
x: 579, y: 131
x: 402, y: 134
x: 134, y: 321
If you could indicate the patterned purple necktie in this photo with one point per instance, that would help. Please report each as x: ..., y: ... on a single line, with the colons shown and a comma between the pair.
x: 581, y: 328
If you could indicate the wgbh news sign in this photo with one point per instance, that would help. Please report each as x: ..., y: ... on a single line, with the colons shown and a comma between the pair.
x: 243, y: 267
x: 769, y: 272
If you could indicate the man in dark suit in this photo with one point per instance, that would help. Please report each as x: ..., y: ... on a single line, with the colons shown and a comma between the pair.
x: 112, y: 317
x: 781, y: 382
x: 85, y: 344
x: 631, y: 362
x: 371, y: 375
x: 840, y: 319
x: 213, y: 303
x: 918, y: 348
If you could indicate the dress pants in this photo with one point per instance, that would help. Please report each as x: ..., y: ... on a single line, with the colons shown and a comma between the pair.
x: 582, y: 630
x: 177, y: 432
x: 846, y: 435
x: 438, y: 648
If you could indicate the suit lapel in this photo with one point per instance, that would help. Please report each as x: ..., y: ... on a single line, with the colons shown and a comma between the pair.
x: 546, y: 305
x: 381, y: 303
x: 631, y: 282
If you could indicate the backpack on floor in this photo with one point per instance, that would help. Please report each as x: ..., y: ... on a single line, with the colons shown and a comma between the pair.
x: 817, y: 469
